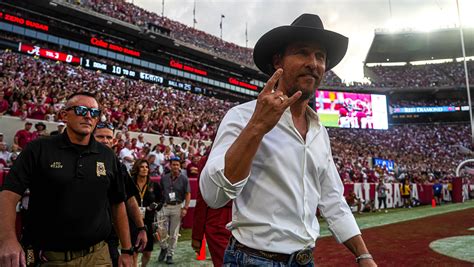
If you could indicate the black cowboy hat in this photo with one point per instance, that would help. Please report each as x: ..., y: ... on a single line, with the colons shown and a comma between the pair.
x: 38, y: 124
x: 307, y: 27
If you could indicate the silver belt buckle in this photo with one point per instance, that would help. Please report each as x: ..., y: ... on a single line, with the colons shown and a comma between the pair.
x: 304, y: 256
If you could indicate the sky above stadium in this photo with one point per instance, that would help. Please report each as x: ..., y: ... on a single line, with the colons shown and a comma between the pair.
x: 356, y: 19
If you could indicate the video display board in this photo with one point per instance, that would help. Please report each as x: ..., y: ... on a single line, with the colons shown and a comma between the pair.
x: 351, y: 110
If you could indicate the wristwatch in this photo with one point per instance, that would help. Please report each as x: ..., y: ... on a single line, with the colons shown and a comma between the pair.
x: 127, y: 251
x: 143, y: 228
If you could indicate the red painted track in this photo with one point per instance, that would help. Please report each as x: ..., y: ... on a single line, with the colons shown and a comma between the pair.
x: 402, y: 244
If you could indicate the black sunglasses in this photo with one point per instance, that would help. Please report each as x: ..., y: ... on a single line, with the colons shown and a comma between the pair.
x: 102, y: 125
x: 82, y: 111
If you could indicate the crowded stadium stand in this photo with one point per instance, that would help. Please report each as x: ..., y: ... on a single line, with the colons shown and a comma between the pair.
x: 157, y: 76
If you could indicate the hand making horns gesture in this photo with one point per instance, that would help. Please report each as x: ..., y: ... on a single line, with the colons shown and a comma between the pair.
x: 271, y: 103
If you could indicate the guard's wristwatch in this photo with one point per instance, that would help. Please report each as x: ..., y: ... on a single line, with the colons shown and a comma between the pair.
x: 127, y: 251
x: 143, y: 228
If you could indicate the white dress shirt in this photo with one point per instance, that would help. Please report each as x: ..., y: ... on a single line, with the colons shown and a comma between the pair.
x: 275, y: 206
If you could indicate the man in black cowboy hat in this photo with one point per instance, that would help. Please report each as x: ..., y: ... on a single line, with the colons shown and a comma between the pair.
x: 40, y: 130
x: 273, y: 156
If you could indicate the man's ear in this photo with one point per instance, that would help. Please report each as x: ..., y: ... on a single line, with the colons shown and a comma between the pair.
x: 276, y: 61
x: 64, y: 115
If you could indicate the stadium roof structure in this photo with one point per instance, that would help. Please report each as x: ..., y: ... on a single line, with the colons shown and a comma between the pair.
x: 419, y: 46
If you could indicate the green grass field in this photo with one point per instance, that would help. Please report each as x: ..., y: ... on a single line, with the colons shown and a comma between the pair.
x: 329, y: 120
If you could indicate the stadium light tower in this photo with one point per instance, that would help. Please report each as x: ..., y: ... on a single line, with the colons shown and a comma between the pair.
x: 220, y: 25
x: 162, y: 8
x: 466, y: 74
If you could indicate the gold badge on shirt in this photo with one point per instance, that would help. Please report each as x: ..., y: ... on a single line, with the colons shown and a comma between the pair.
x: 101, y: 169
x: 56, y: 165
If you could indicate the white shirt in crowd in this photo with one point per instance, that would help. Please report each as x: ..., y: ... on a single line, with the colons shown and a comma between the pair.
x: 5, y: 155
x: 125, y: 152
x: 159, y: 160
x: 274, y: 208
x: 139, y: 144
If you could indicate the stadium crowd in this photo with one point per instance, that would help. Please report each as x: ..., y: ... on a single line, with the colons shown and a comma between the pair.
x: 37, y: 89
x: 421, y: 76
x: 133, y: 14
x: 421, y: 152
x: 426, y: 102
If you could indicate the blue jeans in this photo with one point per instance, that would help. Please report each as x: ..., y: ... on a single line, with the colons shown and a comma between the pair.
x: 237, y: 258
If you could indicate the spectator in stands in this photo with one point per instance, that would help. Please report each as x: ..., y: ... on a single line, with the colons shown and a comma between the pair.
x: 23, y: 137
x: 177, y: 196
x: 171, y: 144
x: 159, y: 159
x: 247, y: 156
x: 4, y: 153
x: 4, y: 156
x: 154, y: 169
x: 127, y: 155
x: 140, y: 141
x: 14, y: 151
x: 2, y: 138
x: 161, y: 144
x: 62, y: 236
x: 168, y: 155
x: 60, y: 129
x: 3, y: 104
x: 40, y: 130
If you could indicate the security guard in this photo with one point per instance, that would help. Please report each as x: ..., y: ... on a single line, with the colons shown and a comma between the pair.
x: 104, y: 133
x: 73, y: 182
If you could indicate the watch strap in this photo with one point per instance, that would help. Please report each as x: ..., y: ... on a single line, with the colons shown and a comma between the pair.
x: 127, y: 251
x: 142, y: 228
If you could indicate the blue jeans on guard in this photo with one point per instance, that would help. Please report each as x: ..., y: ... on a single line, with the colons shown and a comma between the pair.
x: 238, y: 258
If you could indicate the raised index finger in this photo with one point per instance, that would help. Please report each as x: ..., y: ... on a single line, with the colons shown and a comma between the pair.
x: 268, y: 89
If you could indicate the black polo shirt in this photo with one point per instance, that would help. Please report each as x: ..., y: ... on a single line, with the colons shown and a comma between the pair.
x: 71, y: 190
x: 130, y: 188
x: 179, y: 185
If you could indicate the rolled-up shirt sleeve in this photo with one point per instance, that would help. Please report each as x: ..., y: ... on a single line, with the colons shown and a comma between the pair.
x: 215, y: 187
x: 333, y: 205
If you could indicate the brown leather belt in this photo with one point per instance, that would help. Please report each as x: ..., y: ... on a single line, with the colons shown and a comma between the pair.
x: 71, y: 254
x: 301, y: 257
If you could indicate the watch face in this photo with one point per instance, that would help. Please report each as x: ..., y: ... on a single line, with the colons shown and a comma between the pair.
x: 127, y: 251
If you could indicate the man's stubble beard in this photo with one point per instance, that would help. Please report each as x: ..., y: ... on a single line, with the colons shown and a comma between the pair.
x: 306, y: 94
